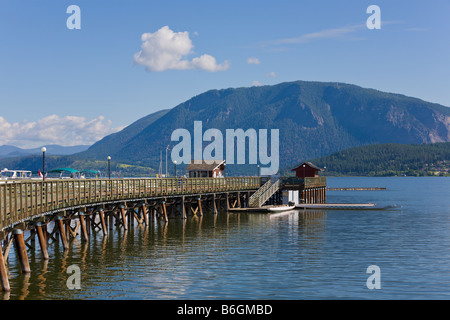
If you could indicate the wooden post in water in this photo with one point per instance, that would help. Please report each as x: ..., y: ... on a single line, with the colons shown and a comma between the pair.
x: 62, y: 233
x: 21, y: 250
x: 238, y: 199
x: 144, y: 214
x: 214, y: 207
x: 163, y: 204
x: 4, y: 273
x: 85, y: 236
x: 102, y: 220
x: 200, y: 211
x: 124, y: 217
x: 42, y: 240
x: 183, y: 208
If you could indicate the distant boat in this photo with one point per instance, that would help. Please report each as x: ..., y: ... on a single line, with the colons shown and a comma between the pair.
x: 264, y: 209
x: 7, y: 174
x: 281, y: 208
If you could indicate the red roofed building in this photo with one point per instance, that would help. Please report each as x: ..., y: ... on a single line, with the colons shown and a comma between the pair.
x: 307, y: 170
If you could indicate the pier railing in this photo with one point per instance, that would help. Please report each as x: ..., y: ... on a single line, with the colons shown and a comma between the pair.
x: 295, y: 183
x: 20, y: 200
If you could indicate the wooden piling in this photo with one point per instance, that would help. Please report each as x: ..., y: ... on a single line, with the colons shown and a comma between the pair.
x: 238, y: 199
x: 21, y: 250
x: 4, y: 273
x: 183, y: 208
x: 102, y: 220
x: 214, y: 207
x: 124, y: 217
x: 42, y: 240
x: 163, y: 204
x: 84, y: 233
x: 62, y: 233
x: 144, y: 214
x: 200, y: 211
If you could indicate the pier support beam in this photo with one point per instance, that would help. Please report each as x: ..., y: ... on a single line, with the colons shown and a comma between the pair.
x: 163, y: 204
x: 84, y: 233
x: 124, y: 217
x: 21, y: 249
x: 238, y: 199
x: 42, y: 240
x: 214, y: 207
x: 144, y: 214
x: 101, y: 213
x: 4, y: 273
x: 200, y: 211
x: 62, y: 233
x: 183, y: 208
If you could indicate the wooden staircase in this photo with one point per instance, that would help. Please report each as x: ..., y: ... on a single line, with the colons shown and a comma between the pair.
x: 264, y: 193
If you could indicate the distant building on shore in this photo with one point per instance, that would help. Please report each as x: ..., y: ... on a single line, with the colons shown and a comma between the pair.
x: 206, y: 169
x: 307, y: 170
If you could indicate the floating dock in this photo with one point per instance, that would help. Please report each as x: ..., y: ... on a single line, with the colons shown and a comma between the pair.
x: 357, y: 189
x: 335, y: 206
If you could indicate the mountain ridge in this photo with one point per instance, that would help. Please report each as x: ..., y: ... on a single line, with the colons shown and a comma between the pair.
x: 314, y: 118
x: 9, y: 151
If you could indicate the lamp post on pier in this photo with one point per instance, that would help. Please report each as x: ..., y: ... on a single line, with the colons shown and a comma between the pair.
x: 175, y: 171
x: 109, y: 167
x: 167, y: 148
x: 44, y: 149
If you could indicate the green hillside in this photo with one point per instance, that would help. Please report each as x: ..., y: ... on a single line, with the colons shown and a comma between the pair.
x: 314, y: 119
x: 389, y: 160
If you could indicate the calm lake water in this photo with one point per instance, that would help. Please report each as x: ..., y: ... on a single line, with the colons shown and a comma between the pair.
x: 294, y: 255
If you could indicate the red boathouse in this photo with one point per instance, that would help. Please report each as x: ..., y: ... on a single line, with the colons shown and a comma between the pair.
x: 307, y: 170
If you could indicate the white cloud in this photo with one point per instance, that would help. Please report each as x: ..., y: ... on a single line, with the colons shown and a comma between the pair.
x: 166, y: 50
x: 253, y: 61
x: 66, y: 131
x: 256, y: 83
x: 271, y: 75
x: 333, y: 33
x: 323, y: 34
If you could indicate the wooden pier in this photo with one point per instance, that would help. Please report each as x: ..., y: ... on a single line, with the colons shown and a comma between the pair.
x: 58, y: 210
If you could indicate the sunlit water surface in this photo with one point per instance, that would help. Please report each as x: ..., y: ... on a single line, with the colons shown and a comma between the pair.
x: 294, y: 255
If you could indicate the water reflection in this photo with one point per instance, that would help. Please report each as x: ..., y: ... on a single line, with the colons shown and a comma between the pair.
x: 170, y: 252
x: 290, y: 255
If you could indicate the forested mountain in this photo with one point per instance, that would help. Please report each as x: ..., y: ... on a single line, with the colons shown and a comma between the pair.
x: 7, y: 151
x: 389, y: 160
x: 314, y: 119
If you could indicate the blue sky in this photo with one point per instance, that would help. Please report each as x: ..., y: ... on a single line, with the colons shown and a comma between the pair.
x: 74, y: 86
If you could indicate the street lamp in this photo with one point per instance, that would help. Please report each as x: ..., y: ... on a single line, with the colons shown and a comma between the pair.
x: 167, y: 148
x: 44, y: 149
x: 304, y: 172
x: 109, y: 167
x: 258, y: 171
x: 175, y: 163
